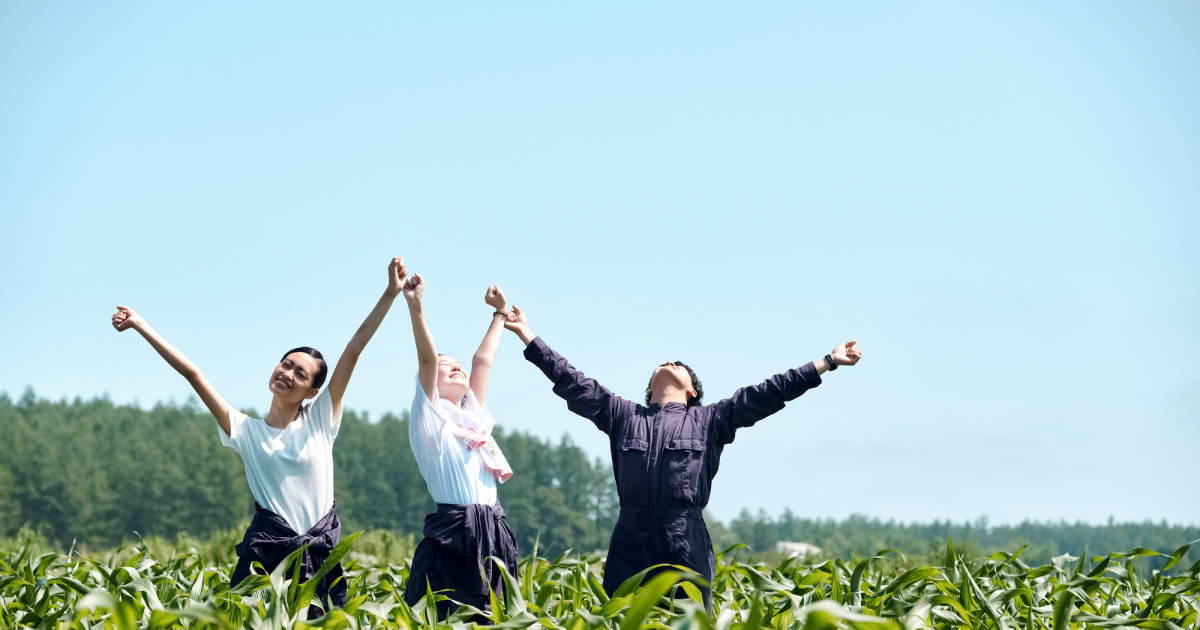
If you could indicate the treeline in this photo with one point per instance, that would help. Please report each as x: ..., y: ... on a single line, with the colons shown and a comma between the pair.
x: 863, y: 536
x: 94, y: 473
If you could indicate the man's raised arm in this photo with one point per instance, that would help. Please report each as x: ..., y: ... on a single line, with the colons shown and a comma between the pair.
x: 584, y: 395
x: 750, y: 404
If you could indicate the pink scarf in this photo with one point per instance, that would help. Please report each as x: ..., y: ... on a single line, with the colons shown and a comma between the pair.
x: 489, y: 451
x: 472, y: 425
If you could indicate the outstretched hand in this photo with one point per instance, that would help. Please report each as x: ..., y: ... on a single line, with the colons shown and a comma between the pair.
x: 847, y: 354
x: 125, y: 318
x: 397, y: 273
x: 516, y: 321
x: 414, y: 288
x: 495, y: 298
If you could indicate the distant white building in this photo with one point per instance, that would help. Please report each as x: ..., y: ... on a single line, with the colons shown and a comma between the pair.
x: 797, y: 549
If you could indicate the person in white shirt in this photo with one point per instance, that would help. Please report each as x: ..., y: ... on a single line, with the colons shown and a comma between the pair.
x: 450, y: 431
x: 288, y: 454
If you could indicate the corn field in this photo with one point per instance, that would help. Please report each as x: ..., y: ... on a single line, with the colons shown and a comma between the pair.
x: 129, y: 589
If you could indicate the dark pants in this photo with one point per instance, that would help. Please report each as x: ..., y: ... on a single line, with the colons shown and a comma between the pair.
x: 644, y: 538
x: 458, y: 539
x: 270, y: 539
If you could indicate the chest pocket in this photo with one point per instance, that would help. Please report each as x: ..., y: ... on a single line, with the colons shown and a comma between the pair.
x: 631, y: 461
x: 684, y: 459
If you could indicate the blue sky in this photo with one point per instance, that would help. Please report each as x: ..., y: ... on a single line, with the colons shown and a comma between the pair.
x: 1000, y: 202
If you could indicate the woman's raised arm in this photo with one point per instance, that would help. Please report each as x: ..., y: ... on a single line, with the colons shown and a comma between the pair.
x: 125, y: 318
x: 397, y: 273
x: 481, y: 364
x: 414, y: 292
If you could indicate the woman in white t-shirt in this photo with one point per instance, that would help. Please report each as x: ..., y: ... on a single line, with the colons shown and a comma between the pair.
x: 450, y: 431
x: 288, y: 454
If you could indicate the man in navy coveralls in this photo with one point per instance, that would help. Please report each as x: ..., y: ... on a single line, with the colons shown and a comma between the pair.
x: 665, y: 453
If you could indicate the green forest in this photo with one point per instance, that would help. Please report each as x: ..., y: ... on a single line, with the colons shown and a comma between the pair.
x: 96, y: 474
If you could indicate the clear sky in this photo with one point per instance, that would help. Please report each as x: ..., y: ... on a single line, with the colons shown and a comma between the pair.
x: 1001, y: 202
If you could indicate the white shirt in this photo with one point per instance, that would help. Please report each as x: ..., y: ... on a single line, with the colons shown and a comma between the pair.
x: 290, y: 470
x: 453, y: 473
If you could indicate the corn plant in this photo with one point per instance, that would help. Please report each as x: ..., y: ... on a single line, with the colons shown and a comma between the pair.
x: 128, y: 588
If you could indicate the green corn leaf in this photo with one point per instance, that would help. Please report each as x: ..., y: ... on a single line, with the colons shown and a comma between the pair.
x: 722, y: 554
x: 303, y: 594
x: 1178, y: 555
x: 950, y: 602
x: 597, y: 587
x: 499, y: 614
x: 1062, y: 610
x: 909, y: 578
x: 1000, y: 620
x: 835, y: 584
x: 513, y: 600
x: 647, y: 598
x: 381, y: 610
x: 630, y: 585
x: 517, y: 622
x: 614, y: 606
x: 1099, y: 569
x: 1135, y: 553
x: 533, y: 560
x: 754, y: 620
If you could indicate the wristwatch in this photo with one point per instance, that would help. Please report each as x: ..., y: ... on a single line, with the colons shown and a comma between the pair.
x: 830, y: 362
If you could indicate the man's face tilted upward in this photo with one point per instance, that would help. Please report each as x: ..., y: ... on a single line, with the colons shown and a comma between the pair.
x: 674, y: 378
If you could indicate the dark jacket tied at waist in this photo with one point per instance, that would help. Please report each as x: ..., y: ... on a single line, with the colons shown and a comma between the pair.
x: 458, y: 539
x: 270, y: 539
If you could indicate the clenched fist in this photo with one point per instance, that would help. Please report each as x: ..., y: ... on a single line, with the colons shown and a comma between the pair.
x: 846, y: 354
x: 414, y: 288
x: 397, y: 273
x: 516, y: 320
x: 495, y: 298
x: 125, y: 318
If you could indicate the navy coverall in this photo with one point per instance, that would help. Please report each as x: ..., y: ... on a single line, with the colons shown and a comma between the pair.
x: 664, y: 458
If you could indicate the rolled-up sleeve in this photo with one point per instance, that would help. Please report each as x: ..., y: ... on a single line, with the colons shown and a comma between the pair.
x: 584, y: 395
x: 750, y: 404
x: 323, y: 413
x: 425, y: 425
x: 237, y: 420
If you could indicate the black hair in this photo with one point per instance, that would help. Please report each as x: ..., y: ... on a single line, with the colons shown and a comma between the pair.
x: 696, y: 385
x: 322, y: 368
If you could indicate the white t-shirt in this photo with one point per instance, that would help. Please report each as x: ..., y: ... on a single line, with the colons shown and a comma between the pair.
x: 453, y: 473
x: 290, y: 470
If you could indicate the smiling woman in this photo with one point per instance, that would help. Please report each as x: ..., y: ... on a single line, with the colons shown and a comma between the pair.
x: 450, y: 434
x: 288, y: 454
x: 298, y: 365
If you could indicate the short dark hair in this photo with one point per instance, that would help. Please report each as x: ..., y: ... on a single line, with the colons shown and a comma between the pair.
x: 322, y: 367
x: 696, y: 385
